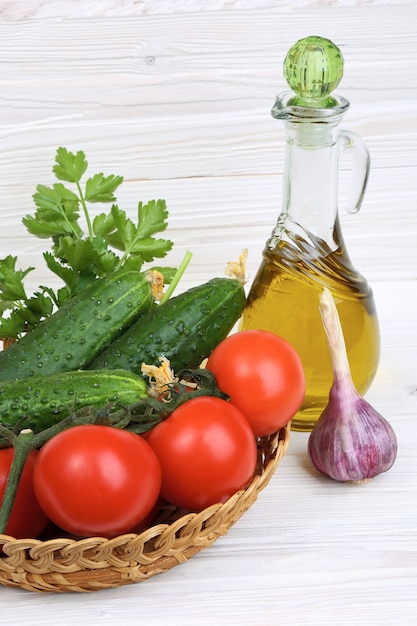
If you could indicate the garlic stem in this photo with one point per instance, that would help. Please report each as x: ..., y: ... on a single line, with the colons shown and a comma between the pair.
x: 334, y: 334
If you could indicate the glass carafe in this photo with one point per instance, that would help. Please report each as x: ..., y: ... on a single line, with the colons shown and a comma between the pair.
x: 306, y: 251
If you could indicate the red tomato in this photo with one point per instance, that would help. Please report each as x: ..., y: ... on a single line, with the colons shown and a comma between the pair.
x: 148, y: 520
x: 97, y: 480
x: 26, y: 519
x: 263, y: 376
x: 207, y: 452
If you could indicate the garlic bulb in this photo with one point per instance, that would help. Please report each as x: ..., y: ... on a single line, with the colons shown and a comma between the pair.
x: 351, y: 441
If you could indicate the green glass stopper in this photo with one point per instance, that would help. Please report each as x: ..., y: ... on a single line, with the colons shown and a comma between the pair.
x: 313, y: 68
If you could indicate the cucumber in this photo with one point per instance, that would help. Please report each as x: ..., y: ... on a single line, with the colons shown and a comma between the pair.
x: 184, y: 329
x: 41, y: 401
x: 70, y: 338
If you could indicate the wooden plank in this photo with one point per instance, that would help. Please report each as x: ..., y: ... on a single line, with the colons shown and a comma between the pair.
x: 215, y: 217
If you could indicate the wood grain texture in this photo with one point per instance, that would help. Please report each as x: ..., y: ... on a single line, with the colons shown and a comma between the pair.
x: 176, y: 97
x: 178, y: 103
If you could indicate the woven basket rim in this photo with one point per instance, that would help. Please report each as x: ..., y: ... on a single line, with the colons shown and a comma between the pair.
x: 62, y: 564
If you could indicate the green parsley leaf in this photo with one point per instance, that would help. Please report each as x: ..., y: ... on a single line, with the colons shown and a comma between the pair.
x: 12, y: 326
x: 69, y: 166
x: 65, y: 273
x: 136, y: 239
x: 53, y: 198
x: 26, y: 316
x: 124, y: 232
x: 151, y: 248
x: 11, y: 279
x: 62, y: 296
x: 101, y: 188
x: 152, y: 218
x: 57, y: 212
x: 80, y: 254
x: 39, y: 305
x: 106, y: 260
x: 103, y: 224
x: 133, y: 263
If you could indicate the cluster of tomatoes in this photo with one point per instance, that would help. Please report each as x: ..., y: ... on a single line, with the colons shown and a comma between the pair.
x: 95, y: 480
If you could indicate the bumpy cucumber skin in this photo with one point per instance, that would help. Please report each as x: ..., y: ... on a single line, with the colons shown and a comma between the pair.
x: 185, y: 329
x: 41, y: 401
x: 81, y: 329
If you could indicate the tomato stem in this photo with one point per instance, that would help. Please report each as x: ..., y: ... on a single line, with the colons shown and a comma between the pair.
x: 23, y: 443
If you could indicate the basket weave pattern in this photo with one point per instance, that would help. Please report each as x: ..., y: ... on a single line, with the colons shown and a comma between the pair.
x: 67, y: 564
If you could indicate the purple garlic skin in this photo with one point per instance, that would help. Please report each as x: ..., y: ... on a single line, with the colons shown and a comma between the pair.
x: 351, y: 441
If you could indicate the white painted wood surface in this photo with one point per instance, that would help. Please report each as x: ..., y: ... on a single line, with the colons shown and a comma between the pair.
x: 175, y: 96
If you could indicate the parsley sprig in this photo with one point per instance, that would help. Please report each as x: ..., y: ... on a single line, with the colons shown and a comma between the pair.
x: 84, y: 247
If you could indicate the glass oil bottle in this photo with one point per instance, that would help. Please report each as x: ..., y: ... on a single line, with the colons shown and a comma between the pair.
x: 306, y: 251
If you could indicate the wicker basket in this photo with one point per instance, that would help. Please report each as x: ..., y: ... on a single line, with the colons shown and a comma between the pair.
x: 67, y: 564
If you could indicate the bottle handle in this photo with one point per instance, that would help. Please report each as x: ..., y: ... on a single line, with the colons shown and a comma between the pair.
x: 354, y: 145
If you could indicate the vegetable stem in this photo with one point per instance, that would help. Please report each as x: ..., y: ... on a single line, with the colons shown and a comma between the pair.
x: 23, y: 444
x: 70, y: 225
x: 177, y: 277
x: 334, y: 333
x: 86, y: 214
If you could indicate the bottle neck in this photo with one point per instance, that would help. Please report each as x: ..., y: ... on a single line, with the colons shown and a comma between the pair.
x: 310, y: 185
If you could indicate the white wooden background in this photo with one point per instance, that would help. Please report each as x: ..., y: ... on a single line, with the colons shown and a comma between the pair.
x: 176, y: 97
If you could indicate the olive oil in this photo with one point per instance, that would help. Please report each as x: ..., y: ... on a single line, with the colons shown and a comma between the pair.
x: 285, y: 299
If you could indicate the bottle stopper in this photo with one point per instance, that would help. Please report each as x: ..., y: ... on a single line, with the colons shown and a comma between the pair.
x: 313, y: 69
